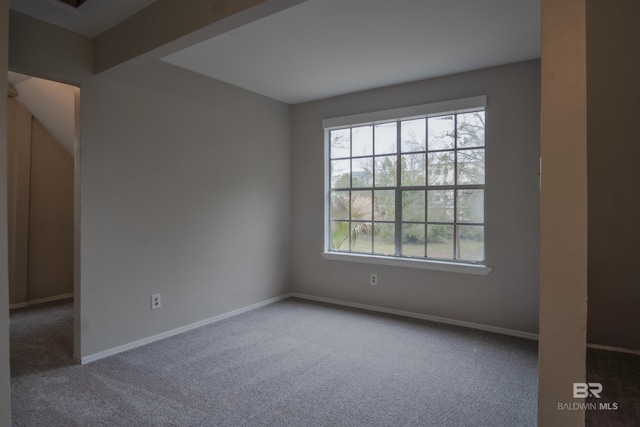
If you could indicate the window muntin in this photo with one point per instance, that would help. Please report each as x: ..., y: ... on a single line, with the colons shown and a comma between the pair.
x: 410, y: 187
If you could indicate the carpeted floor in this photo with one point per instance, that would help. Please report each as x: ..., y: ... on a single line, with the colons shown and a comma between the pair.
x: 619, y: 374
x: 291, y: 363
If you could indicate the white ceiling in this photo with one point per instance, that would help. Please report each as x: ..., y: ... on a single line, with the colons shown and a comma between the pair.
x: 90, y: 19
x: 323, y: 48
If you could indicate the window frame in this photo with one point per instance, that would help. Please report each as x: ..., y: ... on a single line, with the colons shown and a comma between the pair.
x: 457, y: 106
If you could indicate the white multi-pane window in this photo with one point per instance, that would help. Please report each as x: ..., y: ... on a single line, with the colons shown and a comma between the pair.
x: 409, y: 187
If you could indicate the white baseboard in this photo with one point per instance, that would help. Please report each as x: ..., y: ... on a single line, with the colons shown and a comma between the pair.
x: 40, y: 301
x: 471, y: 325
x: 101, y: 355
x: 148, y: 340
x: 616, y: 349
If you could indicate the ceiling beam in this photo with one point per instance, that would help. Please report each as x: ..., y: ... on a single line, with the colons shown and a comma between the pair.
x: 167, y: 26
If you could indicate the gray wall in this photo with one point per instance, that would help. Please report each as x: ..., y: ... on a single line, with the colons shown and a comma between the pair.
x: 614, y: 173
x: 50, y: 263
x: 184, y: 190
x: 40, y: 202
x: 5, y: 393
x: 508, y: 296
x: 18, y: 184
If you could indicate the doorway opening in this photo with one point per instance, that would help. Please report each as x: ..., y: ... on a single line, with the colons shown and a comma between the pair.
x: 43, y: 200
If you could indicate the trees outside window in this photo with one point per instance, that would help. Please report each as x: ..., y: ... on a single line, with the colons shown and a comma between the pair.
x: 409, y: 187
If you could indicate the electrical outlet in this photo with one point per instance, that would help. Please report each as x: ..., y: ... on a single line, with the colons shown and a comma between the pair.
x: 155, y: 301
x: 373, y: 280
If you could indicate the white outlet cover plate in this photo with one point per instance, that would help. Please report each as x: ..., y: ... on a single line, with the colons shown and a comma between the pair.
x: 155, y: 301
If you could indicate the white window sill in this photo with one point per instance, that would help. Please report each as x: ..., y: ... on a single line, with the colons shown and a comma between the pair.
x: 477, y: 269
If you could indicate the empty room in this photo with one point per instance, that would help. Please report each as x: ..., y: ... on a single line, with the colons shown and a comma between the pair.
x: 321, y: 212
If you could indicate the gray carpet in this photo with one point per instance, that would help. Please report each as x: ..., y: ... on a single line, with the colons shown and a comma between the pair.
x: 292, y: 363
x: 619, y: 374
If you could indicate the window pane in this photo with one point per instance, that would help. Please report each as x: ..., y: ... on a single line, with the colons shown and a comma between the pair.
x: 412, y: 135
x: 361, y: 236
x: 441, y: 168
x: 413, y: 169
x: 386, y: 173
x: 340, y: 173
x: 339, y: 205
x: 362, y: 141
x: 471, y: 166
x: 339, y: 235
x: 362, y: 172
x: 413, y: 205
x: 440, y: 206
x: 422, y: 177
x: 471, y: 129
x: 471, y: 243
x: 413, y: 240
x: 340, y: 143
x: 361, y: 205
x: 471, y: 206
x: 440, y: 241
x: 384, y: 239
x: 384, y: 205
x: 441, y: 133
x: 386, y: 138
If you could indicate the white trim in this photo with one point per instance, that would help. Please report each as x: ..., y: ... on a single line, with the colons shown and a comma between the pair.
x: 477, y: 269
x: 616, y: 349
x: 434, y: 108
x: 454, y: 106
x: 327, y: 192
x: 139, y: 343
x: 40, y: 301
x: 503, y: 331
x: 495, y: 329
